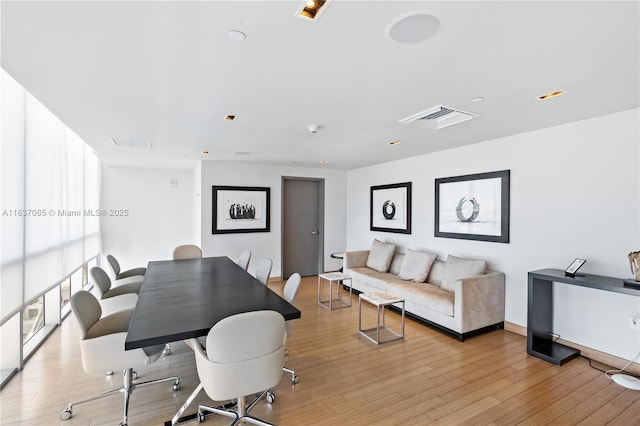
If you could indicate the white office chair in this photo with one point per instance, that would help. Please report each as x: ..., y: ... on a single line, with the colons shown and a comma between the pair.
x: 289, y: 293
x: 119, y: 274
x: 263, y: 270
x: 243, y: 259
x: 187, y: 251
x: 103, y: 282
x: 234, y: 368
x: 102, y: 348
x: 113, y: 301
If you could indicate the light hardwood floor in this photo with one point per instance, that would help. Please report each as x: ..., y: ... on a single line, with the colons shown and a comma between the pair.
x: 427, y: 378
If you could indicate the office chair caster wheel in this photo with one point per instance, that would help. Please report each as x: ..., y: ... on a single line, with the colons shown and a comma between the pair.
x: 295, y: 379
x: 177, y: 386
x: 271, y: 397
x: 66, y: 414
x: 200, y: 417
x: 167, y: 350
x: 134, y: 375
x: 122, y: 424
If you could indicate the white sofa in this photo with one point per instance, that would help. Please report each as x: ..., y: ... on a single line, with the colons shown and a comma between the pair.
x: 476, y: 303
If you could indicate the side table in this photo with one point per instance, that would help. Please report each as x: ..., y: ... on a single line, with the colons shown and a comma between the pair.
x: 334, y: 277
x: 380, y: 299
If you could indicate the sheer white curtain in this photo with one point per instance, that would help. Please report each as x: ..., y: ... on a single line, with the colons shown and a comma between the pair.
x: 50, y: 178
x: 12, y: 195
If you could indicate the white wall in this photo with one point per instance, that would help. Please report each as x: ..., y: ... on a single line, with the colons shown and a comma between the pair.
x: 575, y: 192
x: 197, y: 204
x: 269, y: 244
x: 160, y: 217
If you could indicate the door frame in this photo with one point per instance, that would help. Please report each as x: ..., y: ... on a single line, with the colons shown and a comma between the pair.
x: 320, y: 182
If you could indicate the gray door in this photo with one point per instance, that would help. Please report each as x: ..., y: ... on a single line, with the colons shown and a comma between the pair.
x: 302, y: 233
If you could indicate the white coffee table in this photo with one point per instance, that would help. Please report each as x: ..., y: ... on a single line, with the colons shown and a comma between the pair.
x: 338, y: 278
x: 380, y: 299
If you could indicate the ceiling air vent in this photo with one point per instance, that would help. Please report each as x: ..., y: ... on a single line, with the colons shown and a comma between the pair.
x: 438, y: 117
x: 132, y: 144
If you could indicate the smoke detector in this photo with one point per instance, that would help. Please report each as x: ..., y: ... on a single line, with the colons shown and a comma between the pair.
x: 438, y: 117
x: 313, y: 128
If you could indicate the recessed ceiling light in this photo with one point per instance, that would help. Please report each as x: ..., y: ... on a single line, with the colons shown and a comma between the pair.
x: 310, y: 10
x: 392, y: 143
x: 236, y: 35
x: 477, y: 99
x: 413, y: 27
x: 325, y: 162
x: 230, y: 117
x: 551, y: 95
x: 205, y: 152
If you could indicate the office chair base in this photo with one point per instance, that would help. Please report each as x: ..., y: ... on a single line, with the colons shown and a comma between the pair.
x: 127, y: 388
x: 294, y: 377
x: 242, y: 413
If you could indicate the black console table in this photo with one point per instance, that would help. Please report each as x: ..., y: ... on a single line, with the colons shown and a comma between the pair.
x: 540, y: 342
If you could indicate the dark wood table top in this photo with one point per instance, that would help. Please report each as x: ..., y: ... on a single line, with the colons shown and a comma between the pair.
x: 617, y: 285
x: 181, y: 299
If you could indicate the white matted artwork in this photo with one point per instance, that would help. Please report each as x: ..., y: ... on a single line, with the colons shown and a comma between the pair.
x: 390, y: 208
x: 238, y: 209
x: 473, y: 207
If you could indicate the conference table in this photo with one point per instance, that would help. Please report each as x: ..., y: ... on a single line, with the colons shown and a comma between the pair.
x: 181, y: 299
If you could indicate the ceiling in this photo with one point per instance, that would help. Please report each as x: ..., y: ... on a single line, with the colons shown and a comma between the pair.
x: 167, y: 73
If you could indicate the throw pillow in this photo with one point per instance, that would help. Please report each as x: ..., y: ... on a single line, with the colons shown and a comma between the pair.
x: 380, y: 256
x: 457, y: 268
x: 416, y: 265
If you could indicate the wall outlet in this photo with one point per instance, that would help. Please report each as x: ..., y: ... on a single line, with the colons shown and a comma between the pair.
x: 634, y: 322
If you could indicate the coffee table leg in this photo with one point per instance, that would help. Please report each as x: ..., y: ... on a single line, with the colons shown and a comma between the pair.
x: 360, y: 315
x: 403, y: 319
x: 378, y: 327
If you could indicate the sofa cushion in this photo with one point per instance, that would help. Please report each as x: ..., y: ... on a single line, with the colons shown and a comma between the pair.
x: 458, y: 267
x: 370, y: 278
x: 380, y: 256
x: 427, y: 295
x: 416, y: 265
x: 396, y: 263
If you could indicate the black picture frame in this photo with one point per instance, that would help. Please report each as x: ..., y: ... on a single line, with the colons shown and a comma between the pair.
x: 390, y: 208
x: 240, y: 209
x: 473, y: 207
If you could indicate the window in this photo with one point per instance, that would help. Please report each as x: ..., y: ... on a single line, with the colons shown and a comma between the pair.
x: 32, y: 319
x: 65, y: 292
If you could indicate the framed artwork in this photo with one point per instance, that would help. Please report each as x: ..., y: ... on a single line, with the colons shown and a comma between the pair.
x: 390, y: 208
x: 473, y: 207
x: 239, y: 209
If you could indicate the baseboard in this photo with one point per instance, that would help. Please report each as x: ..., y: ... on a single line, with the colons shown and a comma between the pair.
x: 594, y: 354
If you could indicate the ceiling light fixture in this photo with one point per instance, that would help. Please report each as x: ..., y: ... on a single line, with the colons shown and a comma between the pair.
x: 551, y: 95
x: 325, y: 162
x: 230, y: 117
x: 392, y: 143
x: 205, y: 152
x: 477, y: 99
x: 310, y: 10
